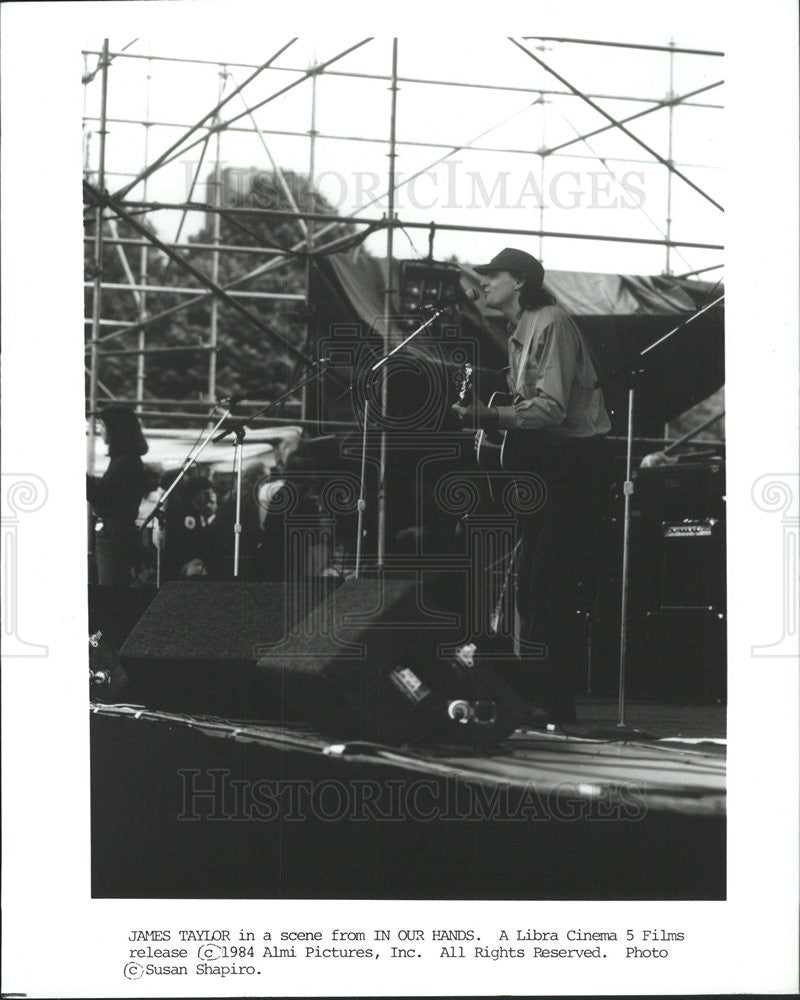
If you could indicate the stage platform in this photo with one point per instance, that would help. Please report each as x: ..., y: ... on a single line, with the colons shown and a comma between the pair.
x: 187, y: 806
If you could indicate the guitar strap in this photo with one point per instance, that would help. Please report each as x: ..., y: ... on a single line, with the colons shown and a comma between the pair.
x: 523, y: 361
x: 532, y: 436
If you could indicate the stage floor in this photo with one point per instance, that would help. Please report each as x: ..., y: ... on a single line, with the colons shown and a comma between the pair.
x: 196, y: 807
x: 660, y: 719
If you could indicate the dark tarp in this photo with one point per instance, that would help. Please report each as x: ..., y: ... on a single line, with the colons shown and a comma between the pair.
x: 619, y: 315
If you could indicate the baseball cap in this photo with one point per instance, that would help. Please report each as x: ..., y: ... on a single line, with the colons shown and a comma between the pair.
x: 511, y: 259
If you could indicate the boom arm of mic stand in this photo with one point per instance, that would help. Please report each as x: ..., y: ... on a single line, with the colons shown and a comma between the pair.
x: 362, y: 495
x: 321, y: 367
x: 157, y: 511
x: 188, y: 461
x: 635, y: 365
x: 410, y: 337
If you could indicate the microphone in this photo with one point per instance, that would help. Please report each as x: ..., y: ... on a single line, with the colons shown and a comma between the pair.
x: 235, y: 427
x: 470, y: 295
x: 229, y: 401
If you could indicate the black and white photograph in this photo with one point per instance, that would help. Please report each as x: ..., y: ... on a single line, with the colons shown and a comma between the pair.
x: 400, y: 423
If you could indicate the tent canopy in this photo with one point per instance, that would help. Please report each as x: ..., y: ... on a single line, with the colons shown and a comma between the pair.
x: 619, y: 315
x: 169, y: 448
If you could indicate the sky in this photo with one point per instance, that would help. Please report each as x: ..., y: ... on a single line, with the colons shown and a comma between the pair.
x: 607, y: 185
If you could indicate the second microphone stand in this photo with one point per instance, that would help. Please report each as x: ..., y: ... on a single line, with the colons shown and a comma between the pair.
x: 238, y: 428
x: 362, y: 501
x: 157, y: 514
x: 633, y: 370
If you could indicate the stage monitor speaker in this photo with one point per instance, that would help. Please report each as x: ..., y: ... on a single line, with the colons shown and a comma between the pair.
x: 113, y: 613
x: 385, y: 659
x: 693, y: 565
x: 425, y: 284
x: 116, y: 610
x: 678, y: 539
x: 194, y: 649
x: 683, y: 490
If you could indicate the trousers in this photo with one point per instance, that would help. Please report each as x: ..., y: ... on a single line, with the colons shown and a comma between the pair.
x: 557, y: 562
x: 117, y: 555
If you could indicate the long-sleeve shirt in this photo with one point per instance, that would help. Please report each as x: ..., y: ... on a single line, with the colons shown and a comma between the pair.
x: 116, y: 496
x: 551, y: 376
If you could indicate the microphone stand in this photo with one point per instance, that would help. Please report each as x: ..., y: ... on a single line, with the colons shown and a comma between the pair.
x: 362, y: 501
x: 237, y: 428
x: 237, y: 527
x: 633, y: 369
x: 157, y: 512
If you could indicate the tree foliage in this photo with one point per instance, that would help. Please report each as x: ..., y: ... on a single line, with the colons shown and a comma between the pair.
x: 247, y: 359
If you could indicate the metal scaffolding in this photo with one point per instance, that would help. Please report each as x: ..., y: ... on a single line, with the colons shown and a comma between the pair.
x: 106, y: 209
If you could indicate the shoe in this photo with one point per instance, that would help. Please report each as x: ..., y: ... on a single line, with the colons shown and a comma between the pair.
x: 534, y: 717
x: 561, y: 707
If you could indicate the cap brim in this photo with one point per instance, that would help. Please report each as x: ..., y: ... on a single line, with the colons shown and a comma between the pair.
x: 486, y: 269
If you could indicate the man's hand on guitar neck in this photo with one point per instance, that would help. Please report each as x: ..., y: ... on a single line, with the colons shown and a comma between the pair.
x: 476, y: 414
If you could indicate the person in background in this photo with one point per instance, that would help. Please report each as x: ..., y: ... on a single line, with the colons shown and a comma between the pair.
x: 115, y: 497
x: 195, y: 538
x: 294, y: 504
x: 145, y: 577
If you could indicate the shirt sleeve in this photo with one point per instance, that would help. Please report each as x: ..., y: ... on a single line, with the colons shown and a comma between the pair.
x: 102, y: 490
x: 552, y: 373
x: 119, y: 481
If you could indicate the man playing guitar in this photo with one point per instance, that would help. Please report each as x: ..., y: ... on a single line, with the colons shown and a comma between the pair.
x: 552, y: 422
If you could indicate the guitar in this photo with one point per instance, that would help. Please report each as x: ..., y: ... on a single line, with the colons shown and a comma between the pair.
x: 492, y: 450
x: 496, y: 450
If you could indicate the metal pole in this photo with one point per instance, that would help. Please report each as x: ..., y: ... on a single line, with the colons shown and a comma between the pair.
x: 362, y: 490
x: 685, y: 438
x: 237, y: 528
x: 387, y: 312
x: 287, y: 191
x: 170, y: 156
x: 622, y: 45
x: 619, y: 125
x: 671, y: 94
x: 423, y: 80
x: 272, y: 265
x: 135, y: 288
x: 334, y: 137
x: 132, y: 286
x: 542, y: 157
x: 332, y: 222
x: 668, y: 230
x: 98, y: 260
x: 195, y: 176
x: 214, y: 329
x: 612, y: 174
x: 309, y: 227
x: 87, y: 135
x: 140, y: 362
x: 95, y: 195
x: 623, y: 630
x: 670, y: 102
x: 213, y: 113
